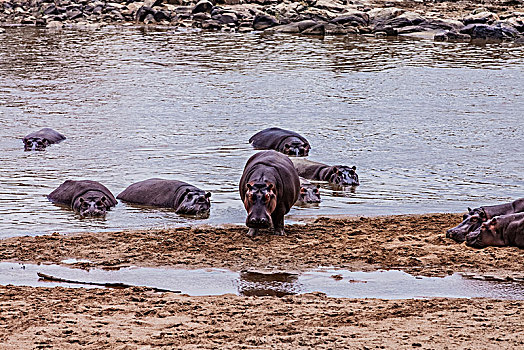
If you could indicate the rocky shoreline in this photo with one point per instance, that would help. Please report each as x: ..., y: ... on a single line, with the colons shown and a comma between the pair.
x: 488, y: 20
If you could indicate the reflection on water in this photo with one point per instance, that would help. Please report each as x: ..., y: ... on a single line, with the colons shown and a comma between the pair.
x: 334, y: 283
x: 432, y: 127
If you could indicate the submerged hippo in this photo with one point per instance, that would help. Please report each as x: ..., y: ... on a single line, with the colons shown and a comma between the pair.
x: 500, y: 231
x: 181, y: 196
x: 475, y: 217
x: 283, y: 141
x: 87, y: 198
x: 268, y: 187
x: 39, y: 140
x: 309, y: 193
x: 341, y: 175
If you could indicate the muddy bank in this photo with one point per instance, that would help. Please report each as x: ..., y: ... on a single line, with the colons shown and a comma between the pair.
x: 492, y: 20
x: 61, y: 318
x: 414, y: 243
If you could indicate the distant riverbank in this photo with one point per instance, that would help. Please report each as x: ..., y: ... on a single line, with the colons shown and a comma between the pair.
x: 443, y: 21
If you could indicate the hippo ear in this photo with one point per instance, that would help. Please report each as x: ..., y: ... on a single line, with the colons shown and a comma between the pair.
x: 207, y: 195
x: 103, y: 199
x: 494, y: 221
x: 469, y: 209
x: 187, y: 190
x: 354, y: 167
x: 82, y: 200
x: 286, y: 145
x: 318, y: 186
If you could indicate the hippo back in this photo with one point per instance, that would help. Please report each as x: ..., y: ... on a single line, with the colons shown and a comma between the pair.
x: 311, y: 170
x: 157, y: 192
x: 46, y: 133
x: 516, y: 206
x: 70, y: 190
x: 274, y: 138
x: 280, y: 167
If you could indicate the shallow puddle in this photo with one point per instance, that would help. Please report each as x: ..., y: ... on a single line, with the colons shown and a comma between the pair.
x: 391, y: 284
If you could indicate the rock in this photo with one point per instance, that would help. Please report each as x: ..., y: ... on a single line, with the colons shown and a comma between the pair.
x: 380, y: 15
x: 161, y: 16
x: 152, y: 3
x: 201, y: 16
x: 227, y: 18
x: 50, y: 10
x: 203, y: 6
x: 337, y: 29
x: 354, y: 19
x: 295, y: 27
x: 54, y: 25
x: 261, y: 22
x: 482, y: 17
x: 2, y: 30
x: 405, y: 19
x: 446, y: 24
x: 452, y: 35
x: 388, y: 30
x: 28, y: 20
x: 331, y: 5
x: 211, y: 24
x: 318, y: 29
x: 487, y: 32
x: 74, y: 14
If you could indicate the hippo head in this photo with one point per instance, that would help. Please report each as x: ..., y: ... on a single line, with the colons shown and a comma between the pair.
x: 344, y: 176
x: 35, y: 144
x: 309, y: 194
x: 470, y: 222
x: 195, y: 202
x: 260, y: 201
x: 91, y: 206
x: 485, y: 235
x: 296, y: 147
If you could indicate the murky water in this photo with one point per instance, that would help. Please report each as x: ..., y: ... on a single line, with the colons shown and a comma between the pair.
x: 432, y: 127
x: 334, y: 283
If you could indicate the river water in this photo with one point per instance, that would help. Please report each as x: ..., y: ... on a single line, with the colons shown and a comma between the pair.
x: 432, y: 127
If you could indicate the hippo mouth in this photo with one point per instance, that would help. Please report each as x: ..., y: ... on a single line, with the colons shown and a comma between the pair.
x: 457, y: 236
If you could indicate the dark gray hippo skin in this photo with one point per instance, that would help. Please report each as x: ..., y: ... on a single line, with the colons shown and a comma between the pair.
x: 500, y: 231
x: 87, y: 198
x: 283, y: 141
x: 475, y: 217
x: 269, y: 187
x: 39, y: 140
x: 309, y: 193
x: 184, y: 198
x: 340, y: 175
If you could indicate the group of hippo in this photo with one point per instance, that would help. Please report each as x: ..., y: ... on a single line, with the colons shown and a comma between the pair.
x: 496, y: 225
x: 270, y: 185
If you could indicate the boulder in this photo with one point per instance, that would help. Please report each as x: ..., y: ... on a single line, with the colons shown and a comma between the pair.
x: 482, y: 18
x: 452, y: 35
x: 380, y: 15
x: 318, y: 29
x: 261, y: 22
x: 487, y: 32
x: 203, y: 6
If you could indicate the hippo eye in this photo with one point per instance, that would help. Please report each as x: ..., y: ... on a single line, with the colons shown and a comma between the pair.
x: 85, y: 204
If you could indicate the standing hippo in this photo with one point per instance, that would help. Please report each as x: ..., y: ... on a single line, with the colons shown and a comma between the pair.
x: 500, y: 231
x: 283, y: 141
x: 475, y: 217
x: 341, y: 175
x: 39, y: 140
x: 181, y: 196
x: 309, y: 193
x: 87, y: 198
x: 268, y: 187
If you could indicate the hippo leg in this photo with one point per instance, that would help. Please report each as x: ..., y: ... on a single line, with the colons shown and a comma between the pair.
x: 278, y: 223
x: 252, y: 232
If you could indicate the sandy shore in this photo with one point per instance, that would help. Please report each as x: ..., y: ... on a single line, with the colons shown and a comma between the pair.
x: 138, y: 318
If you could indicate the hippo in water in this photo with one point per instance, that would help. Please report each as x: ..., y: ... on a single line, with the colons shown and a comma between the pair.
x: 268, y: 187
x: 181, y: 196
x: 475, y: 217
x: 283, y: 141
x: 500, y: 231
x: 87, y: 198
x: 340, y: 175
x: 309, y: 193
x: 39, y: 140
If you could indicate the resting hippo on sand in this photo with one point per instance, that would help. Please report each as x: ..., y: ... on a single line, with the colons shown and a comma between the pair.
x: 87, y: 198
x: 500, y: 231
x: 309, y: 193
x: 39, y: 140
x: 181, y: 196
x: 475, y: 217
x: 268, y: 187
x: 283, y: 141
x: 337, y: 174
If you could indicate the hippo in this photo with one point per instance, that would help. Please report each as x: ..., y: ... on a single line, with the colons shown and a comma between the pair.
x: 186, y: 199
x: 500, y: 231
x: 269, y: 187
x: 283, y: 141
x: 87, y: 198
x: 340, y: 175
x: 39, y: 140
x: 475, y: 217
x: 309, y: 193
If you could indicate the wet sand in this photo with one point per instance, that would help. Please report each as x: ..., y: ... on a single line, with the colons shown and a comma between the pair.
x: 140, y: 318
